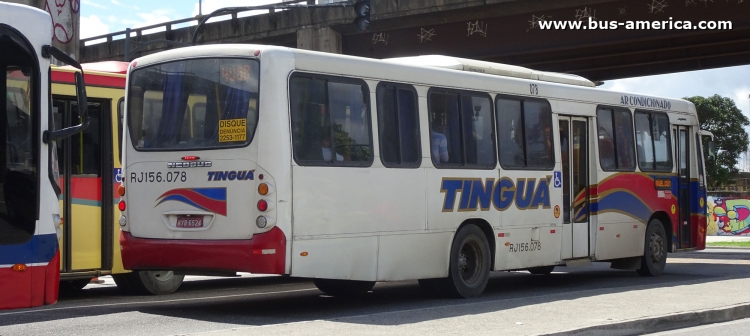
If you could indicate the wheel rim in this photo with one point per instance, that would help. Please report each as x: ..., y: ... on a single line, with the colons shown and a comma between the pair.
x: 161, y: 275
x: 470, y: 261
x: 656, y: 245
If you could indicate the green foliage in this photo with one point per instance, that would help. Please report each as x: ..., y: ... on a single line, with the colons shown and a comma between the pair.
x: 720, y: 116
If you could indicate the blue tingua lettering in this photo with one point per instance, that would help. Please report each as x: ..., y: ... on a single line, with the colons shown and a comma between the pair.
x: 230, y: 175
x: 478, y: 193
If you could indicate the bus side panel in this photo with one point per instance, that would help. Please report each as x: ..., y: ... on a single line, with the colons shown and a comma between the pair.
x: 414, y: 256
x: 353, y: 200
x: 698, y: 218
x: 336, y: 258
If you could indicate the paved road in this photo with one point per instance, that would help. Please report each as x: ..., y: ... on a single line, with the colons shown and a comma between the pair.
x: 514, y: 302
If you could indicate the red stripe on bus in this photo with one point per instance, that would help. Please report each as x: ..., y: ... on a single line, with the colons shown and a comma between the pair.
x: 225, y: 255
x: 87, y: 188
x: 90, y: 79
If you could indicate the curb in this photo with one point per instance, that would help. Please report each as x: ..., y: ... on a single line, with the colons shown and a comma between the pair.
x: 663, y: 323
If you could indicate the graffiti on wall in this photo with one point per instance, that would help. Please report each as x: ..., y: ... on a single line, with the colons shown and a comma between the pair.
x: 728, y: 216
x: 63, y: 13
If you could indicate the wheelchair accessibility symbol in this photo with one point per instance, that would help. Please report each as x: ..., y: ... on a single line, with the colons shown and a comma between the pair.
x: 117, y: 173
x: 557, y: 183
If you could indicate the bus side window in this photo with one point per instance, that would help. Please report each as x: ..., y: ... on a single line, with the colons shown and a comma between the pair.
x: 652, y: 130
x: 615, y: 132
x: 330, y: 121
x: 120, y: 113
x: 525, y: 134
x: 398, y: 122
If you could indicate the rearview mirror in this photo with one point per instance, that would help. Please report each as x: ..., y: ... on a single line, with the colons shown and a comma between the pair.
x: 50, y: 136
x: 711, y: 151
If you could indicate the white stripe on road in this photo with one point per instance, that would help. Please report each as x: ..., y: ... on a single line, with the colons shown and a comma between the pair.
x: 159, y: 301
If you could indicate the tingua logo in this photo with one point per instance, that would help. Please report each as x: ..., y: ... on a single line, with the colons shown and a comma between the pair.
x: 478, y: 194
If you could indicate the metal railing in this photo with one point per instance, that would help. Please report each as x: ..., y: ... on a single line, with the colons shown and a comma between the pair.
x: 168, y: 25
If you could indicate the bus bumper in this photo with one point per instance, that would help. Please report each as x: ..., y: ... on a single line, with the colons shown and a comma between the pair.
x: 264, y: 253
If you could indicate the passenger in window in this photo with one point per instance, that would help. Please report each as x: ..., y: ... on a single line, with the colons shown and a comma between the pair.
x: 439, y: 145
x: 623, y: 151
x: 606, y: 149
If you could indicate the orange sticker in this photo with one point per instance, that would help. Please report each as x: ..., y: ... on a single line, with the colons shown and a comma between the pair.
x: 557, y: 211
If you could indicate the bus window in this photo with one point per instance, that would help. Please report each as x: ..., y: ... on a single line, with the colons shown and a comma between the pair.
x: 161, y: 98
x: 653, y: 141
x: 461, y: 130
x: 18, y: 171
x: 398, y: 122
x: 616, y: 145
x: 525, y: 134
x: 330, y: 121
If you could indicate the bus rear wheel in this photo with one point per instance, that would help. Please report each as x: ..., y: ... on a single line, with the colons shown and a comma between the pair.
x: 654, y: 258
x: 469, y: 268
x: 149, y: 282
x: 337, y: 287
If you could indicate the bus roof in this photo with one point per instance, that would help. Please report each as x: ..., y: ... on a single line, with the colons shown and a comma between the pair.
x: 560, y: 86
x: 116, y: 67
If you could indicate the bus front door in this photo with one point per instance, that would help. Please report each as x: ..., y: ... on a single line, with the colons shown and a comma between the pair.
x: 683, y: 186
x: 87, y: 197
x: 575, y: 184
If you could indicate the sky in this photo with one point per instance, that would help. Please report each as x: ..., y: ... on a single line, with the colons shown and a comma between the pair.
x: 100, y: 17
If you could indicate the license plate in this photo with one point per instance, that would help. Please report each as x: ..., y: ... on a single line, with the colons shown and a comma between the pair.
x: 189, y: 221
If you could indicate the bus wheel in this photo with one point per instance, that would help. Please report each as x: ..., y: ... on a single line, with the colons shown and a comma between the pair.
x: 343, y: 287
x: 469, y: 268
x: 71, y: 286
x: 541, y: 270
x: 149, y: 282
x: 655, y: 250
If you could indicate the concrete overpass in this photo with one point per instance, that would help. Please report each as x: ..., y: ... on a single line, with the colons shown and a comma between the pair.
x: 505, y: 31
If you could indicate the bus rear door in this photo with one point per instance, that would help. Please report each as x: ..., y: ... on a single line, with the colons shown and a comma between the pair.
x: 575, y: 184
x: 684, y: 239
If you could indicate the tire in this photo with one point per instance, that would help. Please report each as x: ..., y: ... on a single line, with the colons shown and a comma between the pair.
x: 149, y: 282
x: 72, y: 286
x: 469, y: 268
x: 343, y: 287
x: 654, y: 258
x: 541, y: 270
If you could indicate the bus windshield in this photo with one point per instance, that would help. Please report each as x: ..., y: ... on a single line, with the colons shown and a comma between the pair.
x: 193, y: 104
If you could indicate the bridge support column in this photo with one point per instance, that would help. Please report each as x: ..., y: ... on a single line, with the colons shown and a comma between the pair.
x: 319, y: 39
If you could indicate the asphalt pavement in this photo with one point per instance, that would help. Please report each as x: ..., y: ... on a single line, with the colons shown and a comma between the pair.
x: 698, y: 288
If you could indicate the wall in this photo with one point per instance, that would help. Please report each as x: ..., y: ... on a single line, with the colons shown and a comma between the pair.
x: 728, y: 215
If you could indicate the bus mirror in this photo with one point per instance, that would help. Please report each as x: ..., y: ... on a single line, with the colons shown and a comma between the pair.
x: 711, y: 151
x: 49, y: 136
x: 83, y: 108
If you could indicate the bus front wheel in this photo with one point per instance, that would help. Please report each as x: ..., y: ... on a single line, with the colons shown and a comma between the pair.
x: 469, y: 268
x: 655, y: 250
x: 343, y: 287
x: 149, y: 282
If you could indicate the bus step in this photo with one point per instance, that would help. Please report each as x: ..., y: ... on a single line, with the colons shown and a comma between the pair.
x: 578, y: 262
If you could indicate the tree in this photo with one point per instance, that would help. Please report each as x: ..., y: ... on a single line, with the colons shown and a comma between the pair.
x: 720, y: 116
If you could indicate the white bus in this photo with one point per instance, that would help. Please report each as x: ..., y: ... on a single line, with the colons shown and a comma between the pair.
x: 351, y: 170
x: 29, y: 175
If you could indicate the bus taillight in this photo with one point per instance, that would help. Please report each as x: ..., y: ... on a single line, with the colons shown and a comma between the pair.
x: 121, y: 190
x: 263, y: 189
x: 262, y: 205
x: 19, y: 267
x: 121, y: 205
